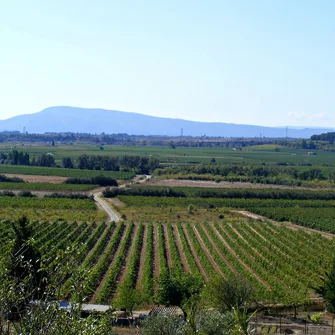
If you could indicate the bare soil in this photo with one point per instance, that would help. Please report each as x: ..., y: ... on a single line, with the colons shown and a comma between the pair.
x: 38, y: 179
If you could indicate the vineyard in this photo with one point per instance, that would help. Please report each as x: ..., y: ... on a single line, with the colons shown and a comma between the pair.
x: 284, y: 265
x: 316, y: 214
x: 50, y: 209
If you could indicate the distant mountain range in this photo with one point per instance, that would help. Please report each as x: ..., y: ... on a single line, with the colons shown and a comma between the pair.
x: 87, y: 120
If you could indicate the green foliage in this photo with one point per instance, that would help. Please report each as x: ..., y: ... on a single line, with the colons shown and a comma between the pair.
x: 315, y: 318
x: 33, y: 304
x: 98, y: 180
x: 61, y: 172
x: 215, y: 323
x: 225, y: 294
x: 328, y: 289
x: 163, y: 324
x: 45, y: 186
x: 242, y: 321
x: 176, y: 290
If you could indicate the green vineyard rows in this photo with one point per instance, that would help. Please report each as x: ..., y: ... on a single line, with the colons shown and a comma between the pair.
x: 284, y: 265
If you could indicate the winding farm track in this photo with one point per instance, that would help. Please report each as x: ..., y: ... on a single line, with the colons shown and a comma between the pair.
x: 112, y: 215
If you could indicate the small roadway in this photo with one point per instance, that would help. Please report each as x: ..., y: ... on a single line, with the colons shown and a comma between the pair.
x: 112, y: 215
x: 106, y: 207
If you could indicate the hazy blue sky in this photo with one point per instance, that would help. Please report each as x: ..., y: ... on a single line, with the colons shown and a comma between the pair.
x: 266, y: 62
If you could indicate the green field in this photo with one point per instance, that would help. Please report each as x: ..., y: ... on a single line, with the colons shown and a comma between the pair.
x: 251, y: 155
x: 283, y: 265
x: 61, y: 172
x: 318, y: 214
x: 50, y: 209
x: 46, y: 187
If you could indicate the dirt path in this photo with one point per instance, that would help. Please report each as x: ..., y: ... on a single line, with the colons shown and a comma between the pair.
x: 287, y: 224
x: 182, y: 256
x: 246, y: 267
x: 104, y: 204
x: 142, y: 258
x: 208, y: 254
x: 194, y: 254
x: 116, y: 254
x: 223, y: 257
x: 167, y: 247
x: 156, y: 252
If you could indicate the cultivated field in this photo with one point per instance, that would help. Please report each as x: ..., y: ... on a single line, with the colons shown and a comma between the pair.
x: 49, y: 209
x: 284, y: 265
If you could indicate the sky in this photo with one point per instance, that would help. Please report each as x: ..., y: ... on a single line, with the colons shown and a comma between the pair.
x: 263, y: 62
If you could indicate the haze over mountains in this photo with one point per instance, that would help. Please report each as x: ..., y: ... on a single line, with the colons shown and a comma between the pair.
x: 86, y: 120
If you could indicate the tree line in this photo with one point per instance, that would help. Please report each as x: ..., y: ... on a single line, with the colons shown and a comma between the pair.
x: 136, y: 164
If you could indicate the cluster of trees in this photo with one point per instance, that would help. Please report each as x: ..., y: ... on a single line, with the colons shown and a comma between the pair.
x: 138, y: 164
x: 160, y: 191
x: 23, y: 158
x: 142, y: 191
x: 142, y: 165
x: 328, y: 137
x: 136, y: 140
x: 5, y: 179
x: 98, y: 180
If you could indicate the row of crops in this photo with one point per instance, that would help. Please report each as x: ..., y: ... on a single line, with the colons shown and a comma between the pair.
x: 284, y: 265
x: 317, y: 214
x: 62, y: 172
x: 46, y: 187
x: 50, y: 209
